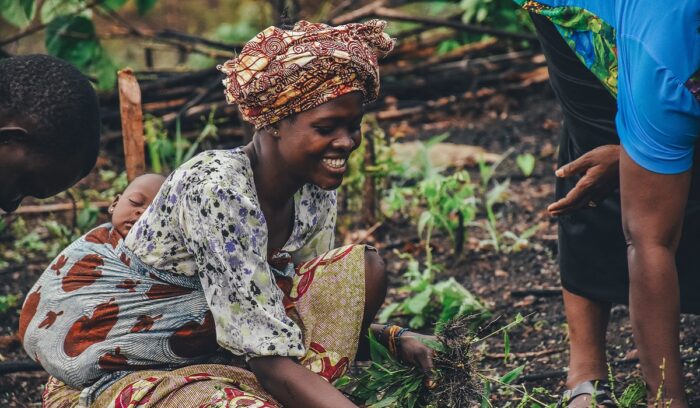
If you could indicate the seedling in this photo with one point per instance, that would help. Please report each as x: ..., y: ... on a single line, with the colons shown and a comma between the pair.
x: 389, y: 383
x: 526, y: 162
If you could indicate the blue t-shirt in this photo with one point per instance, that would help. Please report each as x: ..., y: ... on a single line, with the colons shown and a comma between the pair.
x: 658, y: 50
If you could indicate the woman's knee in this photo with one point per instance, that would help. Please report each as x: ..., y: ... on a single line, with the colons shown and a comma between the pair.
x: 375, y: 277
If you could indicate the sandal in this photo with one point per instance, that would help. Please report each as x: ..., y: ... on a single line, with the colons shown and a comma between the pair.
x: 599, y: 390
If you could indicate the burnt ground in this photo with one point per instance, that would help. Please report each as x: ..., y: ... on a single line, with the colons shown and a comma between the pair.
x: 508, y: 283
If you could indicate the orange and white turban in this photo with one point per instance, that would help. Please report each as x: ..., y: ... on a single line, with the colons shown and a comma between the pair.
x: 282, y: 72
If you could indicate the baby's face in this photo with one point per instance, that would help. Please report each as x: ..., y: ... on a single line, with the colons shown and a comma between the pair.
x: 128, y: 206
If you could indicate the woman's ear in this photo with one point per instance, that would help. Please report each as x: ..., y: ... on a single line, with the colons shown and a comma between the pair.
x: 111, y: 207
x: 273, y: 130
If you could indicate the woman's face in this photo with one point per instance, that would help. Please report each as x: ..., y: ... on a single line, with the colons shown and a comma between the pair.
x: 316, y: 144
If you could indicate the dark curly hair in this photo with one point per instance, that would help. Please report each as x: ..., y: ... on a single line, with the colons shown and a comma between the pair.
x: 56, y: 101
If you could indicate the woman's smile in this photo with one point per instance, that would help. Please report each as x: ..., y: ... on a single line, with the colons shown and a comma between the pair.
x: 336, y: 165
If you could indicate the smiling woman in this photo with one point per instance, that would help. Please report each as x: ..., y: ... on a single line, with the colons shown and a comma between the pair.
x: 237, y: 247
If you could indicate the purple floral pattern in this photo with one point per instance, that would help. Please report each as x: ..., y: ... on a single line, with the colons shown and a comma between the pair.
x: 207, y: 221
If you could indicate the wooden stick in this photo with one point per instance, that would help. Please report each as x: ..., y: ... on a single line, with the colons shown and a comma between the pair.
x: 360, y: 13
x: 390, y: 14
x: 46, y: 208
x: 368, y: 233
x: 538, y: 292
x: 527, y: 354
x: 132, y: 123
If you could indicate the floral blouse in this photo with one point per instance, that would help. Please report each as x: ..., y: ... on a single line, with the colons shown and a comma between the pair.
x: 206, y: 220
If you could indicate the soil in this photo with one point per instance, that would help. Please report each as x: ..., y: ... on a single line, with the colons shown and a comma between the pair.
x: 527, y: 122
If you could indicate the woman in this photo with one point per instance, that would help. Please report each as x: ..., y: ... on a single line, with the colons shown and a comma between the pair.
x: 615, y: 76
x: 204, y: 258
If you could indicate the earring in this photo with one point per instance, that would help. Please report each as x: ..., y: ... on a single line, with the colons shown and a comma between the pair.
x: 273, y: 131
x: 110, y: 210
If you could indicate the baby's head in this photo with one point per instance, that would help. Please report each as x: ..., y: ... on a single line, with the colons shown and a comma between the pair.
x: 128, y: 206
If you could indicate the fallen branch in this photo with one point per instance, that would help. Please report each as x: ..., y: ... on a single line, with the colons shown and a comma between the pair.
x: 390, y: 14
x: 358, y: 14
x: 58, y: 207
x: 367, y: 233
x: 526, y: 354
x: 9, y: 367
x: 544, y: 375
x: 538, y: 292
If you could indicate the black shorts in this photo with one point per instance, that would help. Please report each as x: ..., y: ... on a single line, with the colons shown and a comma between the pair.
x: 592, y: 249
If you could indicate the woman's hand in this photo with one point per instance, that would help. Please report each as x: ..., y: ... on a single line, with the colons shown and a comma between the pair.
x: 599, y: 170
x: 414, y: 351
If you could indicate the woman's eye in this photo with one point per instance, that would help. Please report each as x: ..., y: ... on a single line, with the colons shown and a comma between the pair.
x: 324, y: 130
x: 135, y: 203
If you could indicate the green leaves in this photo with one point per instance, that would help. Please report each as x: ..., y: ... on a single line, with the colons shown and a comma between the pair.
x: 386, y: 382
x: 419, y: 302
x: 430, y: 301
x: 27, y: 7
x: 526, y: 163
x: 114, y: 5
x: 70, y: 32
x: 73, y: 38
x: 19, y: 13
x: 512, y: 375
x: 52, y: 9
x: 8, y: 302
x: 144, y: 6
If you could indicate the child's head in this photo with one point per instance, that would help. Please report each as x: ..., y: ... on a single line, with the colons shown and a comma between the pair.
x: 49, y: 127
x: 129, y: 205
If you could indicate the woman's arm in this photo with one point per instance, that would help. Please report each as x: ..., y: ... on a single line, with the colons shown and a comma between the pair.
x: 412, y: 349
x: 652, y: 216
x: 296, y: 386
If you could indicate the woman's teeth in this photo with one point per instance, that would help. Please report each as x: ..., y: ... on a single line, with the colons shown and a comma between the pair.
x: 335, y: 163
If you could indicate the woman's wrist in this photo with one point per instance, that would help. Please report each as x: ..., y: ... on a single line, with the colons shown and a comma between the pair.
x: 389, y: 336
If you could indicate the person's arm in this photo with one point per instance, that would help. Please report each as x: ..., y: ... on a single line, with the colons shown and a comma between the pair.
x: 652, y: 216
x: 295, y: 386
x: 412, y: 350
x: 599, y: 171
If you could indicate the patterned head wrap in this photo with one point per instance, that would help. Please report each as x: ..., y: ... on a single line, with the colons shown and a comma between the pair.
x: 282, y: 72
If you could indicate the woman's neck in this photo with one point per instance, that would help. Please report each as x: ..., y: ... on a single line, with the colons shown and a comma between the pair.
x: 275, y: 186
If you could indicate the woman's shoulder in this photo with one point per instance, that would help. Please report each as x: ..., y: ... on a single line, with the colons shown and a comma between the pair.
x: 216, y: 161
x: 218, y: 168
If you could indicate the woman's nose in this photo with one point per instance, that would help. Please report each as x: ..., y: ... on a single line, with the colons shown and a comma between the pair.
x: 346, y: 141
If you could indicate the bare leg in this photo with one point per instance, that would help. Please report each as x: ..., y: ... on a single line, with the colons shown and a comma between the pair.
x: 654, y: 311
x: 375, y: 292
x: 588, y: 322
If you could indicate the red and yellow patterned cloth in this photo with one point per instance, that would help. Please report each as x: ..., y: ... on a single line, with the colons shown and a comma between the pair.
x: 282, y: 72
x: 325, y: 297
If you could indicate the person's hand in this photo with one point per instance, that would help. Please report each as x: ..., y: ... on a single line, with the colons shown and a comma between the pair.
x: 415, y: 352
x: 599, y: 170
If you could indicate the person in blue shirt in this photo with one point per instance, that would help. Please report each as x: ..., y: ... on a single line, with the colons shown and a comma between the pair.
x: 627, y: 69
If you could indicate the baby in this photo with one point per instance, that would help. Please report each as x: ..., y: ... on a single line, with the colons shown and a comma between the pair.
x: 128, y: 206
x: 57, y: 325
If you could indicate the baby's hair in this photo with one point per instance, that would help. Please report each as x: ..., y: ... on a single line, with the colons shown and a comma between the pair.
x: 57, y: 101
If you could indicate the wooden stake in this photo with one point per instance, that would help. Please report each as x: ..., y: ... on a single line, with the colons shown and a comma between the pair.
x: 132, y: 123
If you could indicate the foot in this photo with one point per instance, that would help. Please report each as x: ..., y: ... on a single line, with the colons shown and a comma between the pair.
x: 582, y: 395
